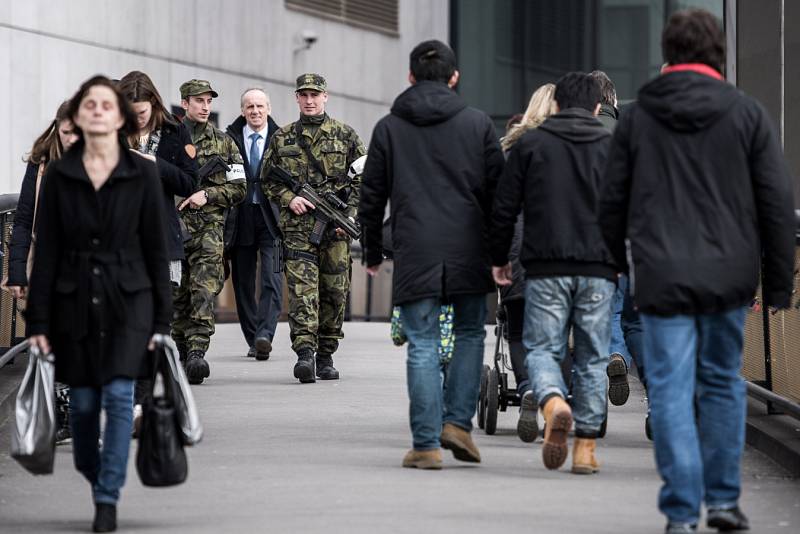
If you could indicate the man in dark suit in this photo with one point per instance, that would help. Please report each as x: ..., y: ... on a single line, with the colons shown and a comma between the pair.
x: 252, y: 230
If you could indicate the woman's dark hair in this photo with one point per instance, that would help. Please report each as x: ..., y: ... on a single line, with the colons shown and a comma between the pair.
x: 694, y: 36
x: 128, y: 127
x: 577, y: 90
x: 138, y: 87
x: 47, y: 146
x: 433, y: 61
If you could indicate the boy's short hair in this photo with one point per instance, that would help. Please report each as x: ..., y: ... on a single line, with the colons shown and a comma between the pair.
x: 432, y: 60
x: 577, y: 90
x: 694, y: 36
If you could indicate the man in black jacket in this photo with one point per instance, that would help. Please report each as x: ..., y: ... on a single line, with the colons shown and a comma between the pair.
x: 438, y: 162
x: 554, y: 171
x: 695, y: 190
x: 251, y: 230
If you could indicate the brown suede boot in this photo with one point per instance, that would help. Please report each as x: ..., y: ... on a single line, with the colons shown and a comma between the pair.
x: 583, y: 459
x: 558, y: 421
x: 460, y: 442
x: 431, y: 459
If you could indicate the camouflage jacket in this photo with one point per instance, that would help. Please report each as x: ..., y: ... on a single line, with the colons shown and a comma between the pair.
x: 222, y: 191
x: 335, y: 146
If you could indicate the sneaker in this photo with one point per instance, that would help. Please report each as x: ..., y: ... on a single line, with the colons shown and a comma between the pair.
x: 725, y: 519
x: 679, y: 528
x: 63, y: 436
x: 459, y: 441
x: 304, y: 368
x: 251, y: 353
x: 423, y: 459
x: 527, y: 425
x: 618, y: 388
x: 196, y: 367
x: 558, y: 422
x: 137, y: 420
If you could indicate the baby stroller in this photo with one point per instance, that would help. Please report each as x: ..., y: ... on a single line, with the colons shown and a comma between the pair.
x: 495, y: 395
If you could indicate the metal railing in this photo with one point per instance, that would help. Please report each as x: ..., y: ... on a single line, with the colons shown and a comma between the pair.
x: 12, y: 325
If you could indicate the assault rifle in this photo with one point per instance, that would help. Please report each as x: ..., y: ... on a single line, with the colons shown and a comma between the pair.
x: 328, y: 207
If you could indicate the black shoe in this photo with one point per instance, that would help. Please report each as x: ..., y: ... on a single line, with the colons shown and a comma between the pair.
x: 251, y: 353
x: 679, y: 528
x: 325, y: 368
x: 196, y: 367
x: 304, y: 368
x: 618, y: 388
x: 527, y: 426
x: 181, y: 352
x: 263, y: 348
x: 725, y: 519
x: 105, y: 518
x: 648, y: 430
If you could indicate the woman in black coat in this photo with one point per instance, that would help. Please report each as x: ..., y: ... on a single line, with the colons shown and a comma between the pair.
x: 100, y: 284
x: 165, y: 140
x: 54, y: 141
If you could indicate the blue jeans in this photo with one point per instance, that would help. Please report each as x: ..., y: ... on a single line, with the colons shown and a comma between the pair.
x: 617, y: 345
x: 105, y: 469
x: 631, y: 325
x: 697, y: 408
x: 552, y: 306
x: 429, y: 408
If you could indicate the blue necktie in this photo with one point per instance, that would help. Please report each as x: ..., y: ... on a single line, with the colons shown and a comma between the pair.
x: 254, y: 159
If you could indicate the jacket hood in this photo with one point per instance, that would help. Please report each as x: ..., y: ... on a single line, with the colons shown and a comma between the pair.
x: 687, y: 101
x: 426, y: 103
x: 577, y: 125
x: 234, y: 129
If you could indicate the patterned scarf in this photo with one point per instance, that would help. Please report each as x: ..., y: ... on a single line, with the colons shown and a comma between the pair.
x: 149, y: 145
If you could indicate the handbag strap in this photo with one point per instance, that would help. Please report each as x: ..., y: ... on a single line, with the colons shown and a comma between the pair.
x: 39, y: 175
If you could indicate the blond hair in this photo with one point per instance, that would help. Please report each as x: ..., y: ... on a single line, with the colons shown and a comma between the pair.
x: 541, y: 106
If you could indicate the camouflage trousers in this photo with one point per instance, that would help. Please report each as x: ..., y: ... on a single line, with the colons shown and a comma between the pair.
x: 317, y: 292
x: 201, y: 282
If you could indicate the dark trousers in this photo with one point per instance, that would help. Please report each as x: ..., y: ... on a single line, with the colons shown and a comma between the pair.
x: 257, y: 318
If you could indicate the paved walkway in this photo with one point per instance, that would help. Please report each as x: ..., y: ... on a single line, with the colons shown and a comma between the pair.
x: 283, y: 457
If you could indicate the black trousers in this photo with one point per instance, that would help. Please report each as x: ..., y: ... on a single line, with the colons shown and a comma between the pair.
x: 256, y: 318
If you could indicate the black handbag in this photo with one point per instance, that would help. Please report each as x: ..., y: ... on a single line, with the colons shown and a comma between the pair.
x: 160, y: 458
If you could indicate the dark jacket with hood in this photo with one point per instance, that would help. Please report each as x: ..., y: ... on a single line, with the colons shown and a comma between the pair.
x: 697, y: 186
x: 239, y: 225
x: 177, y: 169
x: 555, y: 171
x: 609, y: 115
x: 437, y: 161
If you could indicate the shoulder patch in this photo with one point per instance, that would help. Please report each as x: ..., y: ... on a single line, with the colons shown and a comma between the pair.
x: 190, y: 150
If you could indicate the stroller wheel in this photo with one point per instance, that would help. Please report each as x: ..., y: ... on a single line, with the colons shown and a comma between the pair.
x: 482, y: 397
x: 492, y: 401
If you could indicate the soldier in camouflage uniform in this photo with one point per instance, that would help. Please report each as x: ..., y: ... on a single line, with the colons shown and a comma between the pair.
x: 203, y: 213
x: 329, y: 156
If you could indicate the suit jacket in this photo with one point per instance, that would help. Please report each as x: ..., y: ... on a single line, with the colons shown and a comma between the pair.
x: 240, y: 224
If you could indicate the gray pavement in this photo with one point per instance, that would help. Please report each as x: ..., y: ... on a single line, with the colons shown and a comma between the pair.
x: 283, y: 457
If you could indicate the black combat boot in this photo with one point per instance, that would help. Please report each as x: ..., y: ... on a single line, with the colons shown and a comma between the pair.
x: 196, y: 367
x: 304, y: 368
x: 105, y: 518
x: 181, y: 351
x: 325, y: 368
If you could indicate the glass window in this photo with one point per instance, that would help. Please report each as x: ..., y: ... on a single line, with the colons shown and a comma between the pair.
x: 508, y: 48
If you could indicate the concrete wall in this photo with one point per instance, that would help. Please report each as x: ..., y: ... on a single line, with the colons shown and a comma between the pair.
x: 48, y: 48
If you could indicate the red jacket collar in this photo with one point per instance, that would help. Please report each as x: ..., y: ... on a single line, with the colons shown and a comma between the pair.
x: 700, y: 68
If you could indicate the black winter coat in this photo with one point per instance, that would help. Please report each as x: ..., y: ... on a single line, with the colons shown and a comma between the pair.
x: 697, y: 183
x: 555, y: 172
x: 239, y: 223
x: 177, y: 169
x: 20, y: 242
x: 100, y: 283
x: 438, y: 162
